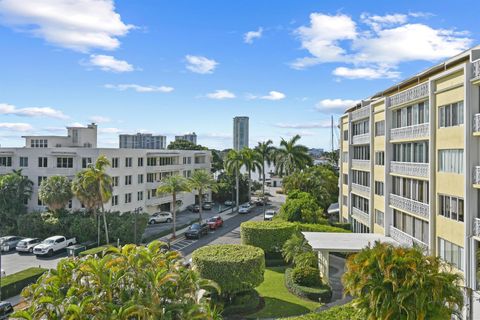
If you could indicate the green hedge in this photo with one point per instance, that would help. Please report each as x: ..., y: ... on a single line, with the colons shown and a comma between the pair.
x: 267, y: 235
x: 243, y: 303
x: 346, y: 225
x: 13, y: 284
x: 321, y: 293
x: 313, y: 227
x: 306, y: 276
x: 235, y: 268
x: 345, y: 312
x: 93, y: 251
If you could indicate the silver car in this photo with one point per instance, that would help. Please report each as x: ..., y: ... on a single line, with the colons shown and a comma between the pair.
x: 9, y: 242
x: 26, y: 245
x: 160, y: 217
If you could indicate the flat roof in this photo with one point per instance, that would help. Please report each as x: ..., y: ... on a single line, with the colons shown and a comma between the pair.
x: 333, y: 208
x: 344, y: 242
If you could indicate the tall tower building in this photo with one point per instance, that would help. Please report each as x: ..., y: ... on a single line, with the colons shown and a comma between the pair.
x: 142, y: 141
x: 240, y: 133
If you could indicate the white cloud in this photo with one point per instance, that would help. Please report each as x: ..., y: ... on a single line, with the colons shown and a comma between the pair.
x: 251, y: 35
x: 365, y: 73
x: 100, y: 119
x: 377, y: 22
x: 139, y: 88
x: 199, y: 64
x: 80, y: 25
x: 16, y: 126
x: 109, y: 63
x: 221, y: 95
x: 46, y: 112
x: 308, y: 125
x: 335, y: 105
x: 274, y: 95
x: 109, y: 130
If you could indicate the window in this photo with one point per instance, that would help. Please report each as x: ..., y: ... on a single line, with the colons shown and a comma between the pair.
x: 410, y: 188
x: 361, y: 152
x: 187, y: 160
x: 380, y: 158
x: 379, y: 188
x: 380, y: 128
x: 450, y: 160
x: 410, y: 115
x: 345, y: 135
x: 187, y: 173
x: 128, y: 197
x: 344, y: 157
x: 5, y: 161
x: 139, y: 195
x: 86, y: 162
x: 450, y: 115
x: 411, y: 152
x: 128, y: 162
x: 411, y: 225
x: 361, y: 178
x: 345, y: 178
x: 379, y: 217
x: 151, y: 161
x: 40, y: 179
x: 65, y: 162
x: 140, y: 162
x: 451, y: 253
x: 114, y: 162
x: 114, y: 200
x: 150, y: 177
x: 39, y: 143
x: 42, y: 162
x: 140, y: 179
x: 360, y: 203
x: 115, y: 181
x: 451, y: 207
x: 23, y: 162
x: 360, y: 127
x: 345, y: 200
x: 128, y: 180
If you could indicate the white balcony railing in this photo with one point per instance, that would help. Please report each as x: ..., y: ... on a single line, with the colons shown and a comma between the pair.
x: 361, y: 216
x: 476, y: 175
x: 476, y: 227
x: 476, y: 122
x: 476, y: 69
x: 362, y: 190
x: 411, y: 132
x: 419, y: 208
x: 361, y: 164
x: 361, y: 138
x: 412, y: 94
x: 413, y: 169
x: 406, y: 239
x: 360, y: 113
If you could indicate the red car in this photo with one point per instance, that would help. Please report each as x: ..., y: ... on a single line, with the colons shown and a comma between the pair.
x: 215, y: 222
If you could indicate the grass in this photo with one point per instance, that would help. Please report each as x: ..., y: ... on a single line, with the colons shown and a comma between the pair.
x: 278, y: 301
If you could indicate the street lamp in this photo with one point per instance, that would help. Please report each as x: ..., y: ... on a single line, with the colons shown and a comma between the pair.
x: 136, y: 212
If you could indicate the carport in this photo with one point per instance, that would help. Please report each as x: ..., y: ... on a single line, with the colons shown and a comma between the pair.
x: 326, y: 242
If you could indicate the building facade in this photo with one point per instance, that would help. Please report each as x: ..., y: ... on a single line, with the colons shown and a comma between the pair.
x: 136, y: 173
x: 410, y: 166
x: 142, y: 141
x: 240, y: 133
x: 191, y: 137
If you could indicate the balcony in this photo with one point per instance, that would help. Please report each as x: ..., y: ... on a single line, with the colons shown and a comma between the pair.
x: 361, y: 216
x: 476, y: 227
x: 418, y: 131
x: 412, y: 94
x: 361, y: 139
x: 360, y: 113
x: 412, y: 169
x: 476, y: 123
x: 415, y: 207
x: 406, y: 239
x: 361, y: 190
x: 476, y: 175
x: 476, y: 69
x: 361, y: 164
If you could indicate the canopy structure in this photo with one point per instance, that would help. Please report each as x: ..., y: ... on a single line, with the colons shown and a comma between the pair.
x: 326, y: 242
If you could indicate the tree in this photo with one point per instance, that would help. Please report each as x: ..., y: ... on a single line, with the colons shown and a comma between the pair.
x: 55, y: 192
x: 251, y: 161
x: 233, y: 163
x: 201, y: 180
x: 217, y: 161
x: 226, y: 186
x: 291, y: 157
x: 174, y: 185
x: 300, y: 207
x: 15, y: 191
x: 125, y: 283
x: 295, y: 246
x: 184, y: 145
x: 390, y: 282
x: 332, y: 157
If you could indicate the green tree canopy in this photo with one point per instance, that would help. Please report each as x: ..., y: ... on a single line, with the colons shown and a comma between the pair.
x: 184, y: 145
x: 201, y: 181
x: 55, y: 192
x: 15, y: 191
x: 300, y: 207
x: 291, y: 157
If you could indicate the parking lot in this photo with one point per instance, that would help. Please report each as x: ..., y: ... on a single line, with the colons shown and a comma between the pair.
x: 13, y: 262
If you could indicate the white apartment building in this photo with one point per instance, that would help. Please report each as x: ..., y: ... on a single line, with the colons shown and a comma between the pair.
x: 136, y: 173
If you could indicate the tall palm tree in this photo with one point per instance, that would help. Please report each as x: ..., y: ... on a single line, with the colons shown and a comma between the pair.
x: 265, y: 151
x: 202, y: 180
x: 291, y: 157
x: 174, y: 185
x: 251, y: 161
x: 55, y: 192
x: 233, y: 163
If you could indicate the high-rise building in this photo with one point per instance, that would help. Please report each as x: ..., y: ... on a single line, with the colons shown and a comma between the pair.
x: 240, y: 133
x: 409, y: 166
x: 142, y: 141
x: 191, y: 137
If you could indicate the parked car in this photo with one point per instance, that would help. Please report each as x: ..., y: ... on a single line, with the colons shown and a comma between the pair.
x: 159, y: 217
x: 269, y: 214
x: 6, y: 310
x: 261, y: 202
x: 228, y: 203
x: 245, y: 208
x: 2, y: 273
x: 207, y: 206
x: 215, y: 222
x: 52, y: 245
x: 196, y: 230
x: 193, y: 208
x: 9, y: 242
x: 27, y: 245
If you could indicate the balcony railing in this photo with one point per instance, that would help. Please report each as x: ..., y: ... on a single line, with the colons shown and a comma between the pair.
x: 412, y: 94
x: 361, y: 138
x: 476, y: 122
x: 360, y: 113
x: 362, y: 190
x: 361, y: 216
x: 476, y: 227
x: 410, y: 168
x: 476, y: 175
x: 419, y: 208
x: 406, y: 239
x: 361, y: 164
x: 476, y: 69
x: 411, y: 132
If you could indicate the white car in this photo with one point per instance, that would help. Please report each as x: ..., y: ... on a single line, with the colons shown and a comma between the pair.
x: 53, y: 244
x: 269, y: 214
x: 27, y: 245
x: 245, y: 208
x: 159, y: 217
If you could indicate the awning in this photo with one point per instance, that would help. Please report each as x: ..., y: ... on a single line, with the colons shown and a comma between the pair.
x: 333, y: 208
x: 344, y: 242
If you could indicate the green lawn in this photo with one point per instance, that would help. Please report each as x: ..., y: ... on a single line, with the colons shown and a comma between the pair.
x: 278, y: 301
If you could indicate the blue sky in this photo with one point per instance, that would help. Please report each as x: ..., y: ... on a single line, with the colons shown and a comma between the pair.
x: 172, y: 67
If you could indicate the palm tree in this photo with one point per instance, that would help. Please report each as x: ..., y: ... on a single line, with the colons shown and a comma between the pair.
x: 265, y: 151
x: 233, y: 163
x: 291, y: 157
x: 295, y: 246
x: 202, y: 180
x: 55, y: 192
x: 251, y: 161
x: 173, y: 185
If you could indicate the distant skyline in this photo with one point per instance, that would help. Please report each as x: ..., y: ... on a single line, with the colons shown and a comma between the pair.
x: 173, y: 67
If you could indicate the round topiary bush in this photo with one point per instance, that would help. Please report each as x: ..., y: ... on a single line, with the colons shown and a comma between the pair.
x: 235, y: 268
x: 268, y: 235
x: 306, y: 276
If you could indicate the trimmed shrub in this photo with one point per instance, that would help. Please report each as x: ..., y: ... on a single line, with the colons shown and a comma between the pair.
x: 313, y: 227
x: 235, y: 268
x: 345, y: 312
x: 243, y: 303
x: 346, y: 225
x: 321, y: 293
x: 13, y: 284
x: 306, y: 259
x: 306, y: 276
x: 267, y: 235
x: 94, y: 251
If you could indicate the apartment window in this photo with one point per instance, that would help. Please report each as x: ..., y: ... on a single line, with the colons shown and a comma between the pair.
x: 40, y: 179
x: 86, y: 162
x: 451, y: 207
x: 379, y: 217
x: 411, y: 152
x: 187, y: 173
x: 380, y: 128
x: 361, y: 152
x: 344, y: 157
x: 140, y: 162
x: 345, y: 200
x: 23, y: 162
x: 140, y: 179
x: 450, y: 115
x: 5, y: 161
x: 379, y: 188
x: 345, y: 135
x: 139, y: 195
x: 115, y: 181
x: 361, y: 178
x: 114, y: 162
x: 128, y: 162
x: 410, y: 115
x: 411, y: 225
x: 42, y: 162
x: 380, y: 158
x: 65, y: 162
x: 187, y: 160
x: 128, y: 180
x: 151, y: 161
x: 360, y: 127
x: 360, y: 203
x: 150, y: 177
x: 450, y: 160
x: 128, y: 197
x: 114, y: 200
x: 345, y: 178
x: 39, y: 143
x: 410, y: 188
x: 451, y: 253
